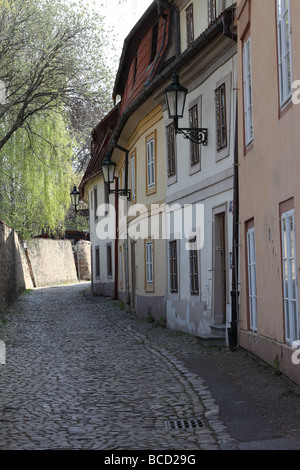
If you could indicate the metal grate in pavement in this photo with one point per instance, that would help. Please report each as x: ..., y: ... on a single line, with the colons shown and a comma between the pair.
x: 184, y: 424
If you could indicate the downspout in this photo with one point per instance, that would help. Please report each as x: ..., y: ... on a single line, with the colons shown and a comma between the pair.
x: 228, y: 20
x: 116, y: 240
x: 233, y: 330
x: 126, y: 237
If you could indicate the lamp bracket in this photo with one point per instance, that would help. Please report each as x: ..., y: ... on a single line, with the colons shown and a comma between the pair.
x: 121, y: 192
x: 197, y: 136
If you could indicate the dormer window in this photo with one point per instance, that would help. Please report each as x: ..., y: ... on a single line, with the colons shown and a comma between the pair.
x: 154, y: 42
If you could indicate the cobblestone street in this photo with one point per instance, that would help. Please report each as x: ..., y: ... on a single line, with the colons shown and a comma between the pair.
x: 79, y: 376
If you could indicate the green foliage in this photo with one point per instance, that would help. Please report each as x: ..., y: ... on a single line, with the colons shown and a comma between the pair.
x: 35, y: 177
x: 58, y: 87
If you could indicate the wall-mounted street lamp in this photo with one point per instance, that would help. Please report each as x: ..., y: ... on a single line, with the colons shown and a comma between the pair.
x: 175, y: 95
x: 108, y: 168
x: 75, y: 198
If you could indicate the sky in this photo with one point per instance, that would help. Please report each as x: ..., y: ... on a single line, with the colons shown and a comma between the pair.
x: 121, y: 16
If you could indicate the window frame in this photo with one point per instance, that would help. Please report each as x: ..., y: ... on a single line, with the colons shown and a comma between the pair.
x: 211, y: 11
x: 171, y: 150
x: 194, y: 273
x: 194, y: 123
x: 150, y: 189
x: 95, y: 203
x: 291, y: 323
x: 149, y: 282
x: 221, y: 117
x: 284, y: 52
x: 173, y: 267
x: 189, y: 18
x: 109, y: 261
x: 97, y: 263
x: 248, y: 93
x: 252, y: 274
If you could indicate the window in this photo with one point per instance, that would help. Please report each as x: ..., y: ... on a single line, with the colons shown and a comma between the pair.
x: 151, y: 164
x: 149, y: 266
x: 193, y: 120
x: 248, y: 100
x: 109, y: 260
x: 171, y: 150
x: 97, y: 262
x: 194, y: 276
x: 173, y: 266
x: 221, y: 125
x: 154, y: 42
x: 121, y: 267
x: 95, y: 204
x: 284, y: 50
x: 189, y: 25
x: 252, y: 292
x: 289, y: 269
x: 212, y: 13
x: 133, y: 183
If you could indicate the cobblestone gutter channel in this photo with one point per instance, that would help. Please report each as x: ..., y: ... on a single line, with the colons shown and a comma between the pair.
x: 84, y: 375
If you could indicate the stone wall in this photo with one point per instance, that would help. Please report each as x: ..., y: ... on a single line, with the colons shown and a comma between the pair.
x: 82, y: 253
x: 13, y: 277
x: 52, y: 262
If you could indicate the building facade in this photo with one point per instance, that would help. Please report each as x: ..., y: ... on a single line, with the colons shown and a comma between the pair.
x: 199, y: 284
x: 269, y: 195
x: 183, y: 279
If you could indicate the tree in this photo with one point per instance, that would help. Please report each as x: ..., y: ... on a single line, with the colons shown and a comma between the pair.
x: 51, y: 59
x: 35, y: 177
x: 58, y: 86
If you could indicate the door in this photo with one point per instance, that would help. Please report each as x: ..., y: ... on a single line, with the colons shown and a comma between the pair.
x: 219, y: 254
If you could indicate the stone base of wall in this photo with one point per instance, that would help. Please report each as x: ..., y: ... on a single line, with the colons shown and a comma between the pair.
x: 150, y: 307
x: 106, y: 289
x: 278, y: 355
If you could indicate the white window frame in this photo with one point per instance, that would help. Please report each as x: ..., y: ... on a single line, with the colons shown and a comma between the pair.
x: 248, y: 95
x: 151, y: 163
x: 252, y: 285
x: 149, y: 263
x: 289, y: 277
x: 284, y: 51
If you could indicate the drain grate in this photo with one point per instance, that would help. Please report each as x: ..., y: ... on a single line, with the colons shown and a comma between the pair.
x: 184, y: 424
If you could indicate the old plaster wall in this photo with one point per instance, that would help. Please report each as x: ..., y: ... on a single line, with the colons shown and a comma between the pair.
x: 14, y: 275
x: 52, y: 262
x: 82, y: 252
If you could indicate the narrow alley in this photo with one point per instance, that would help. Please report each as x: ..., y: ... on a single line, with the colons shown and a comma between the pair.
x: 82, y: 373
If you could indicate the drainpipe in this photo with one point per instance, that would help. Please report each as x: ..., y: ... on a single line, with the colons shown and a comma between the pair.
x: 233, y: 330
x: 116, y: 240
x: 126, y: 238
x: 228, y: 20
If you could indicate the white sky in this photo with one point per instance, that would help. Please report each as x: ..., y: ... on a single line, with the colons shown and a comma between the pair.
x: 122, y: 17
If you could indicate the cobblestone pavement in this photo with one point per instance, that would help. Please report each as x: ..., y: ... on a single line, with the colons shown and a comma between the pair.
x: 82, y: 375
